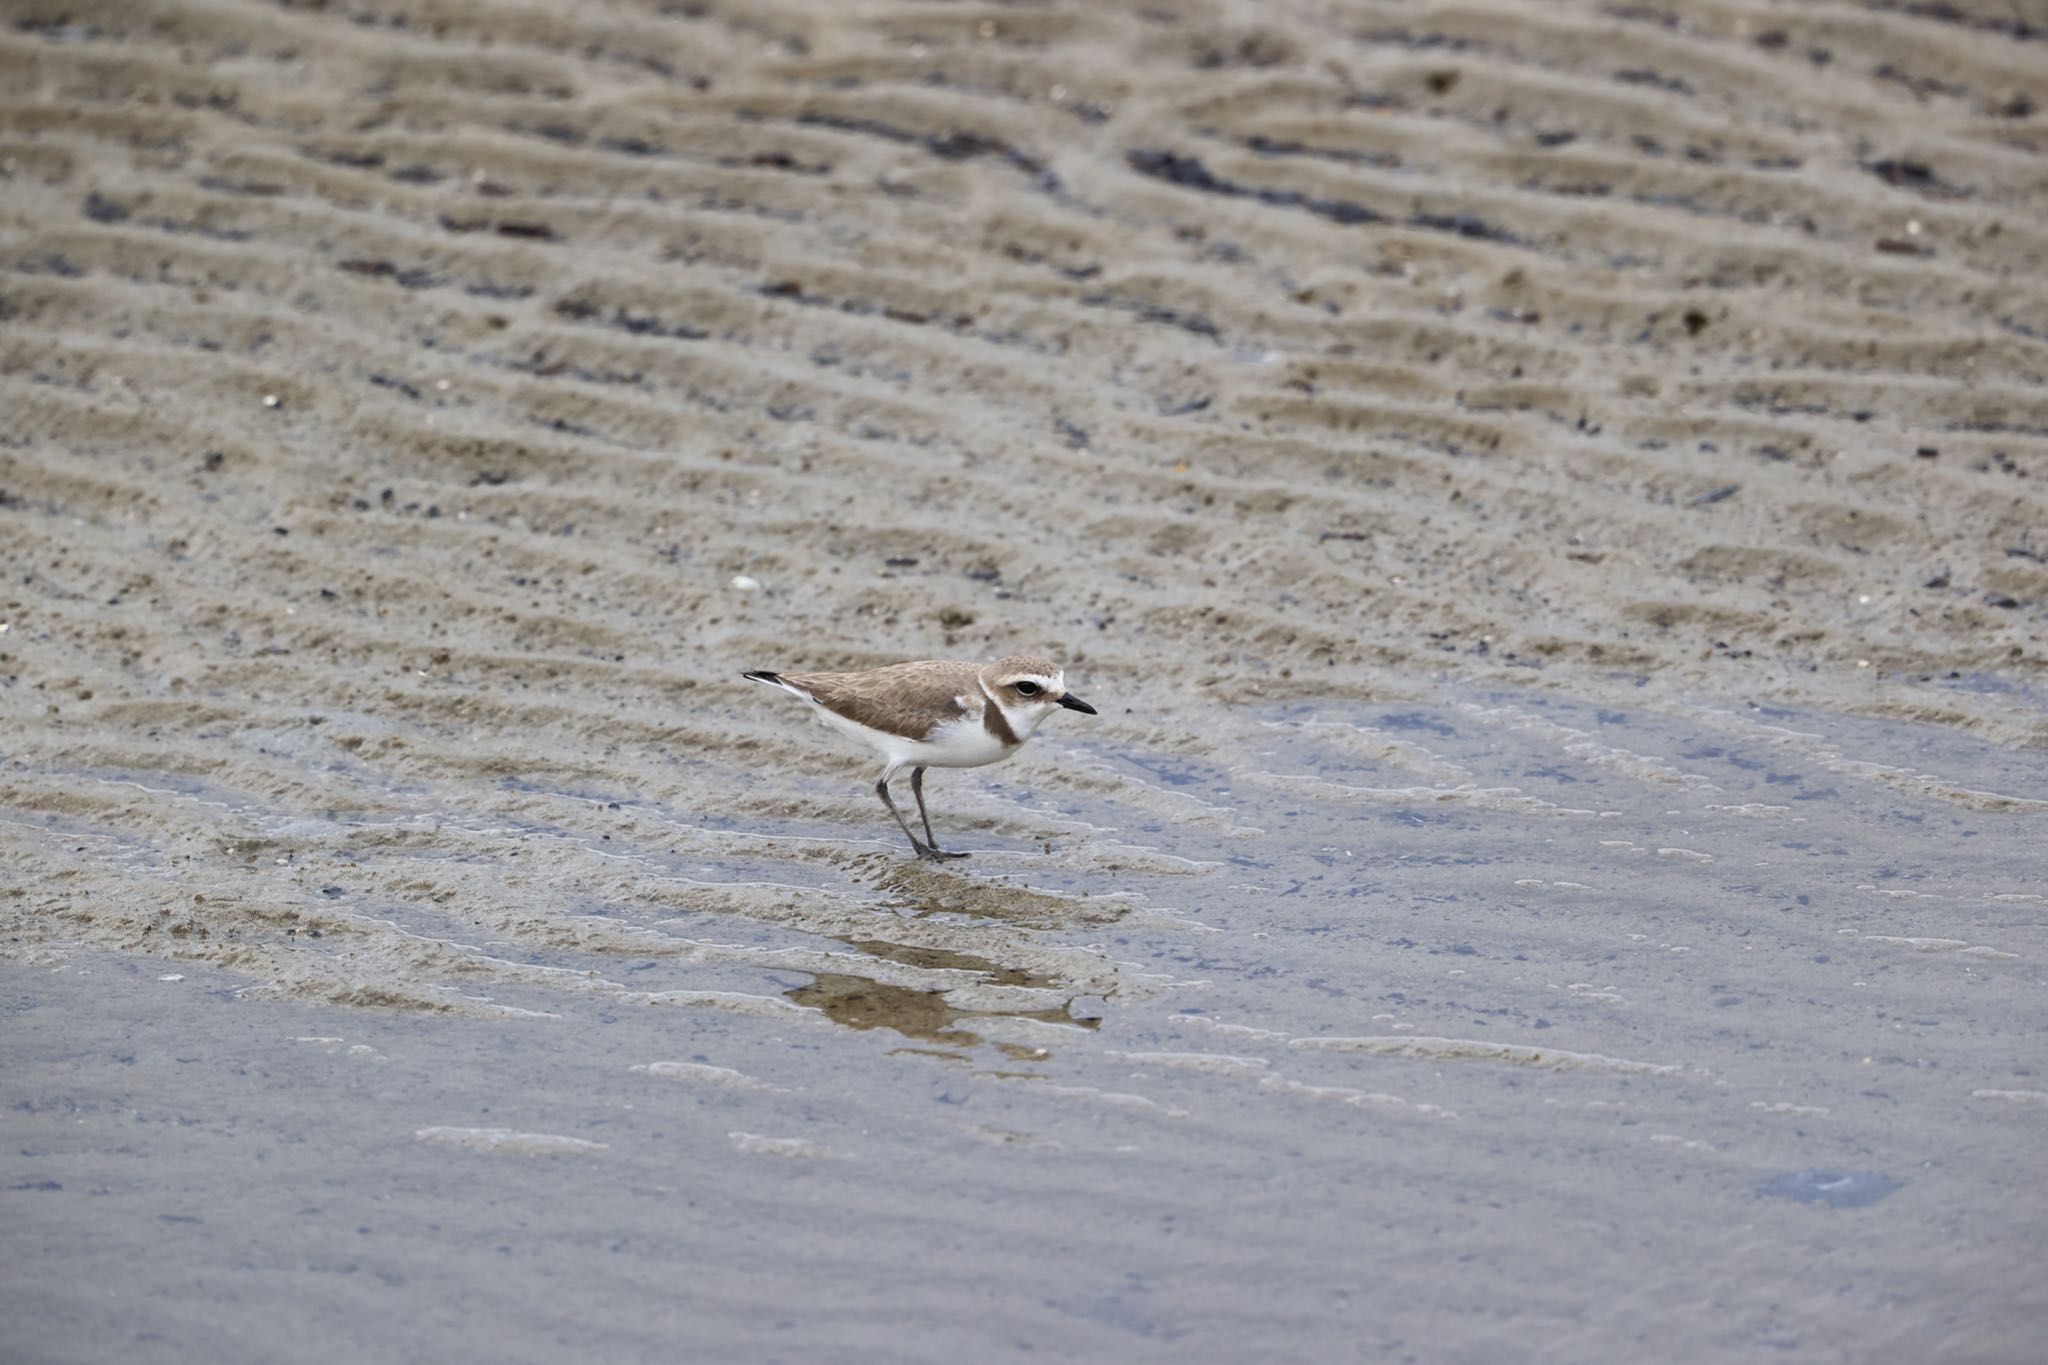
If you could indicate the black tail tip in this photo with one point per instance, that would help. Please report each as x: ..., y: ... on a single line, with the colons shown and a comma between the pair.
x: 763, y: 675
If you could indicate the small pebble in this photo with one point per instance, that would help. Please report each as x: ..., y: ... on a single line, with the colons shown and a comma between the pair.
x: 742, y: 583
x: 1835, y: 1189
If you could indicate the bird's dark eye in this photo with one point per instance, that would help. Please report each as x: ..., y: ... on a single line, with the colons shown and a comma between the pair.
x: 1027, y: 689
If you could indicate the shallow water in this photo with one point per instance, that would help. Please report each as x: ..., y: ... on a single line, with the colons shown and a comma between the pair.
x: 1547, y: 497
x: 1495, y: 1025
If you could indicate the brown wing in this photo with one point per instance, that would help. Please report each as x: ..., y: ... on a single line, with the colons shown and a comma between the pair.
x: 903, y: 699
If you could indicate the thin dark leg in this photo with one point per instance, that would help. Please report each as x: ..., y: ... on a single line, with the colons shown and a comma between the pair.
x: 882, y: 790
x: 917, y: 790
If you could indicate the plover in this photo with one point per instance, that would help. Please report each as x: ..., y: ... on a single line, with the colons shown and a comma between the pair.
x: 933, y: 714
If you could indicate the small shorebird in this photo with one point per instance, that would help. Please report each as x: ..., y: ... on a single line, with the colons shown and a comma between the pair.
x: 934, y: 715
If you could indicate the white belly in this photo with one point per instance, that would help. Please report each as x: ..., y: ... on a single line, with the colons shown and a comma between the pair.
x: 963, y: 743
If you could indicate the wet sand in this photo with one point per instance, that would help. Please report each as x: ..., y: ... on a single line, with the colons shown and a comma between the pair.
x: 1548, y: 503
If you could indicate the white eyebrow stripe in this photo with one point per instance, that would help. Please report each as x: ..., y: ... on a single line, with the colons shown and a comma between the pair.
x: 1055, y: 684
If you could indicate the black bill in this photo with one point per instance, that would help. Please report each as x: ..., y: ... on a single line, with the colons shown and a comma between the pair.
x: 1074, y: 703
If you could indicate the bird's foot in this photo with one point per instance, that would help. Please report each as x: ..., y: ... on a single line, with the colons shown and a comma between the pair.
x: 932, y: 854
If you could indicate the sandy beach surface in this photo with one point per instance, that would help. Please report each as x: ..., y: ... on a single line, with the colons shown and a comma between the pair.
x: 1548, y: 500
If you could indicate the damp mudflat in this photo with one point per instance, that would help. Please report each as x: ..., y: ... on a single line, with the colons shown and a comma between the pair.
x: 1495, y: 1026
